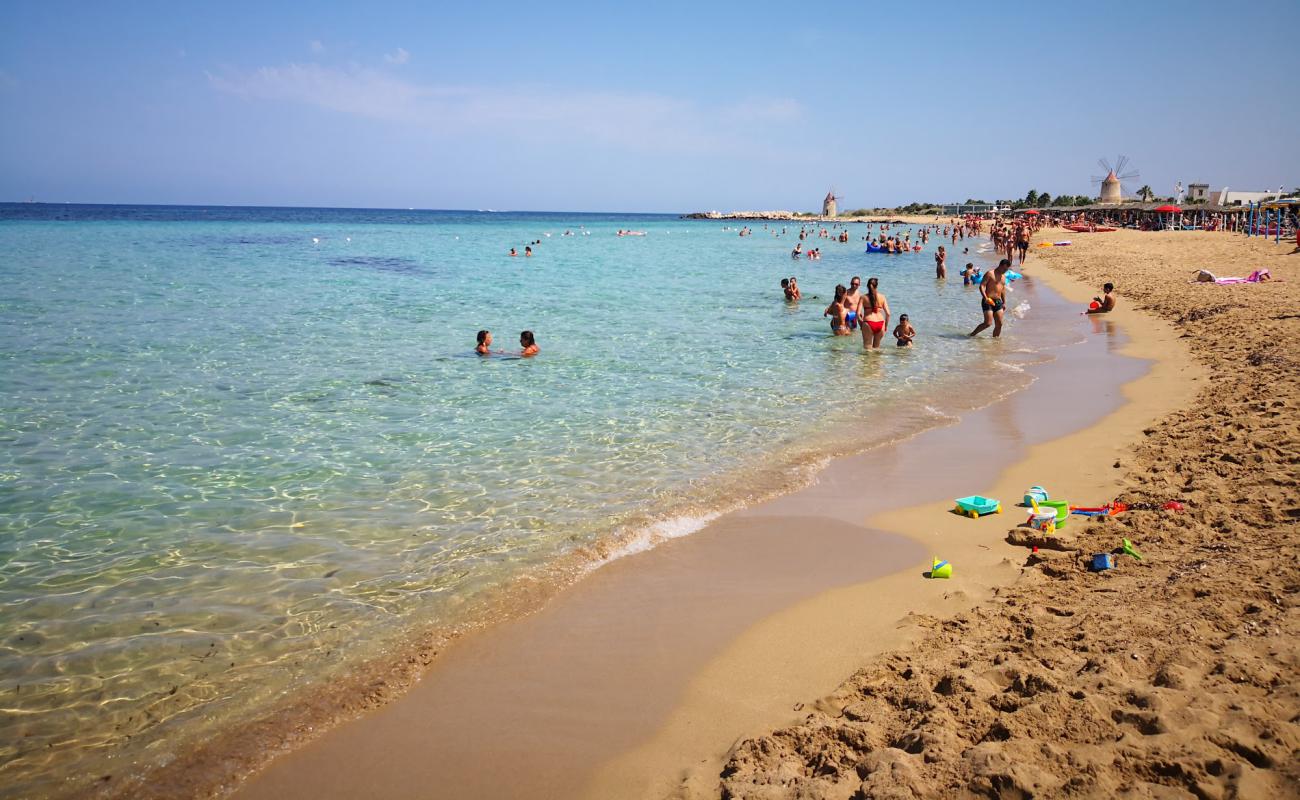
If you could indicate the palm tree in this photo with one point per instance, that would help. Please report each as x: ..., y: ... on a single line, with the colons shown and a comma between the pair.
x: 1032, y: 197
x: 1146, y: 194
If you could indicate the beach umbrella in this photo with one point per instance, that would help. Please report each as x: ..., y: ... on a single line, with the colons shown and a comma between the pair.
x: 1032, y: 211
x: 1170, y: 210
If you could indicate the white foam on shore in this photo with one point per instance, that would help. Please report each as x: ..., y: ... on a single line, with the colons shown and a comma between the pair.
x: 934, y: 412
x: 658, y: 532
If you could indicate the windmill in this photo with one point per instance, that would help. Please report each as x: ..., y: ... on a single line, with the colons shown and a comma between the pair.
x: 829, y: 205
x: 1111, y: 184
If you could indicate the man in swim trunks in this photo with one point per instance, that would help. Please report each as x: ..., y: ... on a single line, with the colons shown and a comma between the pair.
x: 851, y: 299
x: 993, y: 298
x: 1022, y: 242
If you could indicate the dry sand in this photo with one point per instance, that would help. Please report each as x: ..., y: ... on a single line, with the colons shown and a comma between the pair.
x: 1174, y: 676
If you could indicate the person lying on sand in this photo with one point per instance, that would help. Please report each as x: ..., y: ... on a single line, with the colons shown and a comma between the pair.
x: 1106, y: 303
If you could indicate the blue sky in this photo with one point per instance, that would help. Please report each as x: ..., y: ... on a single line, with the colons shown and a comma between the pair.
x: 657, y: 107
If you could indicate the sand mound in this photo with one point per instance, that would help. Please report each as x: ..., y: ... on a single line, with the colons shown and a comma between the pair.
x: 1174, y: 676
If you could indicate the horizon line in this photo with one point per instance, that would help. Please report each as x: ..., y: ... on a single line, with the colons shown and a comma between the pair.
x: 329, y: 208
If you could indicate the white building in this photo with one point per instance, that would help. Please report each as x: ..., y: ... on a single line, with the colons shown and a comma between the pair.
x: 1227, y: 198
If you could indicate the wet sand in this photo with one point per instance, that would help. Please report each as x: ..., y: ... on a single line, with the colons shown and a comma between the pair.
x: 614, y: 685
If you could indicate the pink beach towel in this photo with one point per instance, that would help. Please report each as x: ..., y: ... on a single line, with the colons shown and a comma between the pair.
x: 1258, y: 276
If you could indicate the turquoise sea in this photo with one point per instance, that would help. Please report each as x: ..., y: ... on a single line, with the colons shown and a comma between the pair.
x: 246, y: 450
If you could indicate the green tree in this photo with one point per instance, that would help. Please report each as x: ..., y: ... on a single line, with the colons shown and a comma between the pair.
x: 1032, y: 197
x: 1146, y: 194
x: 1044, y: 200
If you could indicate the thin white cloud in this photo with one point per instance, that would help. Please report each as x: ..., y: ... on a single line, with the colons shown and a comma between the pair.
x: 317, y: 46
x: 400, y: 57
x: 640, y: 120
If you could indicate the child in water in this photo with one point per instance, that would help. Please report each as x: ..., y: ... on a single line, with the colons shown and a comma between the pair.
x: 529, y: 344
x: 904, y: 332
x: 484, y: 347
x: 968, y: 275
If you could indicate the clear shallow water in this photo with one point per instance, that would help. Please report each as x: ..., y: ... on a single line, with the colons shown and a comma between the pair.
x: 235, y: 458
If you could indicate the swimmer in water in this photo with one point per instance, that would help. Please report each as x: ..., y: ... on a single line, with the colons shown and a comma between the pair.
x: 968, y: 274
x: 904, y: 332
x: 529, y: 344
x: 513, y: 252
x: 795, y: 294
x: 528, y: 252
x: 484, y: 347
x: 873, y: 315
x: 851, y: 300
x: 837, y: 311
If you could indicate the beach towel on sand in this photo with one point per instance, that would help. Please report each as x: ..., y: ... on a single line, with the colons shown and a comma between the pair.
x: 1258, y: 276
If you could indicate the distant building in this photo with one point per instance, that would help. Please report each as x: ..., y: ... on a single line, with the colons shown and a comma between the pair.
x: 1198, y: 192
x: 1111, y: 191
x: 1227, y: 198
x: 958, y: 209
x: 829, y: 205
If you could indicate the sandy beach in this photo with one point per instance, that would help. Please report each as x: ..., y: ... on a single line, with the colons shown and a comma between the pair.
x: 658, y: 674
x: 1170, y: 676
x: 616, y: 702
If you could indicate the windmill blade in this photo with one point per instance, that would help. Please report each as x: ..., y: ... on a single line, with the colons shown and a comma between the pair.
x: 1095, y: 179
x: 1104, y: 164
x: 1130, y: 175
x: 1120, y: 163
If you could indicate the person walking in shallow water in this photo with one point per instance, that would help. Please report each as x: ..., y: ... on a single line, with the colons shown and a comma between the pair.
x: 873, y: 315
x: 993, y: 289
x: 941, y: 263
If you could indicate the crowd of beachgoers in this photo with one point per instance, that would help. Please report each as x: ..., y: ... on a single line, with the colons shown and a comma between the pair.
x: 853, y: 309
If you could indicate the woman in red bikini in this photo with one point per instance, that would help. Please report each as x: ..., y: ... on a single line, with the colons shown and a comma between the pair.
x: 873, y: 315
